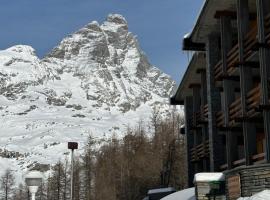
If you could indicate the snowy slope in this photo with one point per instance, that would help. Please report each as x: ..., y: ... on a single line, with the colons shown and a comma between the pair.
x: 96, y: 81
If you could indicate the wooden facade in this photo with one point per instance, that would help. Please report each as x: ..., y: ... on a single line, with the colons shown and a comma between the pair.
x: 226, y: 87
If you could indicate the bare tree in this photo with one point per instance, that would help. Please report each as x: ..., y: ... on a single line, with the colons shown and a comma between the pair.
x: 7, y: 184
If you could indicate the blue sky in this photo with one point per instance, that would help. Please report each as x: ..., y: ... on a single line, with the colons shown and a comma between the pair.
x: 159, y: 25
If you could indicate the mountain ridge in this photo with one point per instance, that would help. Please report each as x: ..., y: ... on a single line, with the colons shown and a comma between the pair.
x: 96, y: 81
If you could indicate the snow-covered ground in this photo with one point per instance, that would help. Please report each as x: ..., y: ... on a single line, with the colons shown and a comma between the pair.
x: 187, y: 194
x: 264, y: 195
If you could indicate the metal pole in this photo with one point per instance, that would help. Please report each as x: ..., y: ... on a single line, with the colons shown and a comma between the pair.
x: 71, y: 191
x: 33, y: 196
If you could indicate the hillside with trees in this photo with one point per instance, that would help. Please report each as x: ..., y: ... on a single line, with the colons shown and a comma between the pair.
x: 120, y: 168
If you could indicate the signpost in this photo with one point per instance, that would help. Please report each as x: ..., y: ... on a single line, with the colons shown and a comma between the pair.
x: 234, y: 187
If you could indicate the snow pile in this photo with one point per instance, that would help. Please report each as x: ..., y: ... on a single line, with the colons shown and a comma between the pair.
x: 208, y: 177
x: 187, y: 194
x: 264, y: 195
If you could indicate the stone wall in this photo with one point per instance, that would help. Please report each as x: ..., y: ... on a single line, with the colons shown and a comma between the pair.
x: 253, y: 179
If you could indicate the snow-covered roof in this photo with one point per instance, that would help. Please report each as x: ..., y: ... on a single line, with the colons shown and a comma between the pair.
x: 161, y: 190
x: 187, y: 35
x: 264, y: 195
x: 207, y: 177
x: 187, y: 194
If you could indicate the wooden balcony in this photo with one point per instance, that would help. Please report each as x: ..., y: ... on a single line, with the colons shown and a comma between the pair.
x: 253, y: 101
x: 250, y: 42
x: 205, y: 112
x: 233, y: 55
x: 240, y: 162
x: 200, y: 117
x: 218, y: 71
x: 223, y: 167
x: 235, y: 111
x: 259, y: 158
x: 200, y: 151
x: 220, y: 119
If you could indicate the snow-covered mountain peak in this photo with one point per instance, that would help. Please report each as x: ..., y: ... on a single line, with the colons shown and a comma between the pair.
x: 23, y: 49
x: 18, y: 52
x: 117, y: 19
x: 96, y: 80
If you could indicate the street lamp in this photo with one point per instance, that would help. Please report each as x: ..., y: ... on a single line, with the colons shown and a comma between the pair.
x: 33, y: 180
x: 72, y: 146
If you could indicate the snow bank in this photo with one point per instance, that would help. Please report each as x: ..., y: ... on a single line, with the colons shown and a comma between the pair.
x: 264, y: 195
x: 207, y: 177
x: 187, y: 194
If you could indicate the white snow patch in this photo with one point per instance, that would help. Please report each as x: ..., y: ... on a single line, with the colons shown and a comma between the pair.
x: 187, y: 194
x: 264, y: 195
x: 207, y: 177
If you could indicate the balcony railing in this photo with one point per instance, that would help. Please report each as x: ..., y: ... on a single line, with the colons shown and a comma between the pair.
x: 223, y: 167
x: 253, y: 101
x: 235, y: 111
x: 220, y: 118
x: 205, y: 111
x: 249, y: 43
x: 201, y: 116
x: 259, y: 158
x: 233, y: 55
x: 200, y: 151
x: 239, y: 162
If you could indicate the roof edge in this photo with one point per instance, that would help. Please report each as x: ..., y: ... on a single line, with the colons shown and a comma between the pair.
x: 196, y: 26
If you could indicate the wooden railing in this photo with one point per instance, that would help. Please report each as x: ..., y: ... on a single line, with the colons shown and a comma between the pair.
x: 218, y: 70
x: 220, y: 118
x: 253, y: 100
x: 205, y: 111
x: 232, y: 59
x: 249, y: 43
x: 259, y: 158
x: 201, y: 116
x: 235, y: 111
x: 200, y: 151
x: 252, y: 103
x: 233, y: 55
x: 239, y: 162
x: 223, y: 167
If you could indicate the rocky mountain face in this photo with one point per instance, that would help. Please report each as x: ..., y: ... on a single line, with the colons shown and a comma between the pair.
x: 96, y: 81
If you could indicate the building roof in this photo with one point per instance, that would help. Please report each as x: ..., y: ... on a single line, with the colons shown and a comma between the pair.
x: 207, y: 23
x: 190, y: 77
